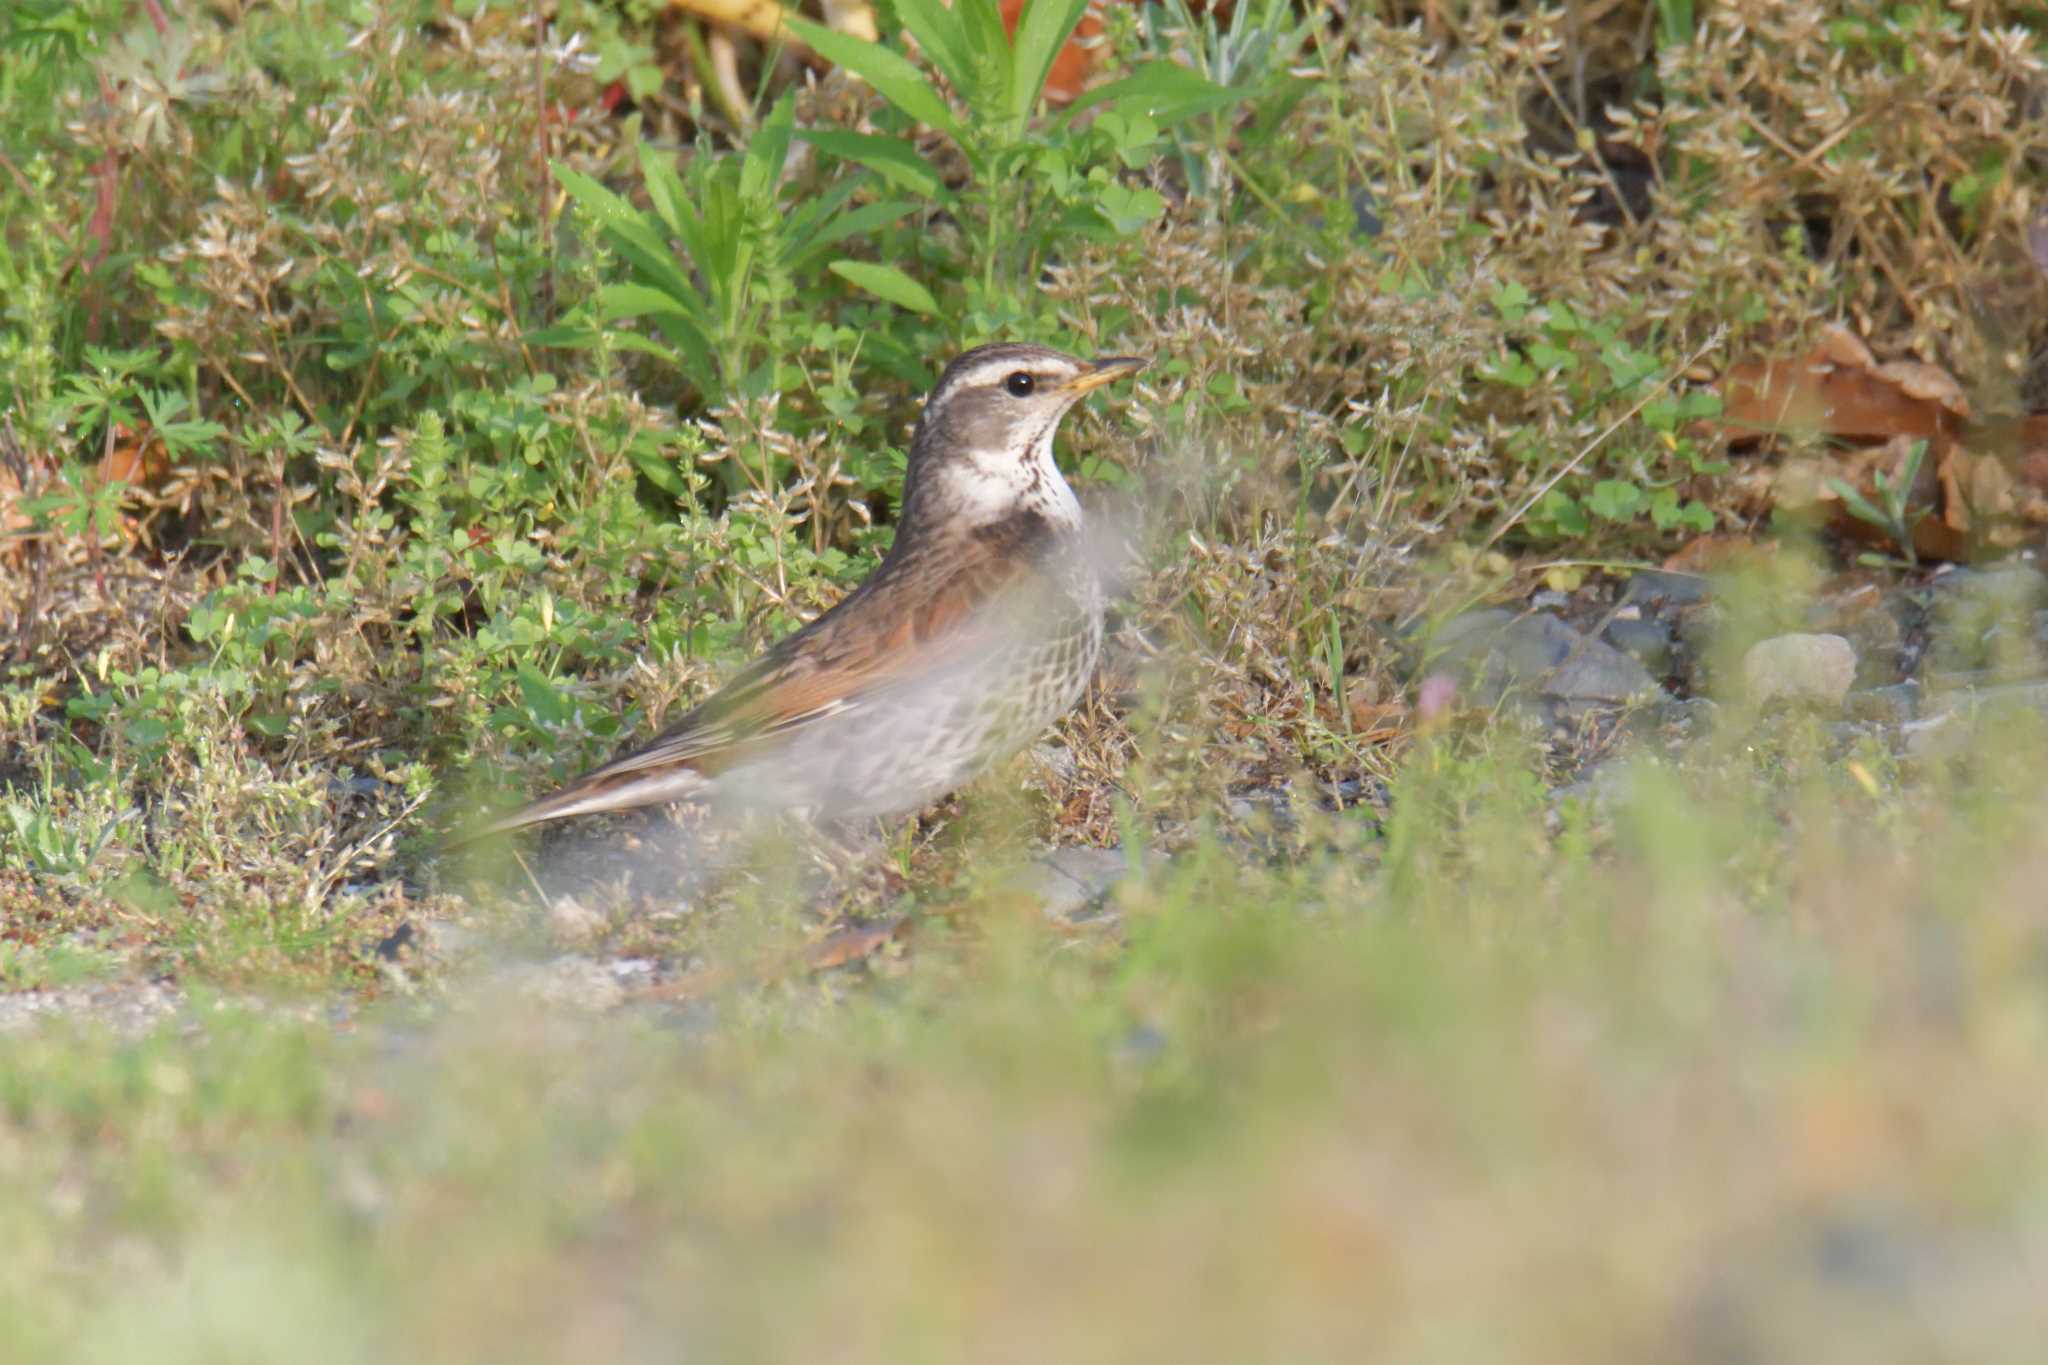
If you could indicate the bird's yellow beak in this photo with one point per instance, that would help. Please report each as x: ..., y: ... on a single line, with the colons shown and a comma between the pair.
x: 1106, y: 371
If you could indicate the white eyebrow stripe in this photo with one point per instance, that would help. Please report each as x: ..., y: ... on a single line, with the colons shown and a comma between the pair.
x: 1001, y: 367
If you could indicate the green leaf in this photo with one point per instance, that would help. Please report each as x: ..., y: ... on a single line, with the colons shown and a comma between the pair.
x: 1563, y: 513
x: 544, y: 701
x: 991, y: 76
x: 890, y: 72
x: 941, y: 30
x: 1614, y: 500
x: 887, y: 282
x: 1127, y: 207
x: 664, y: 188
x: 1042, y: 30
x: 892, y: 158
x: 602, y: 206
x: 572, y: 333
x: 618, y: 301
x: 1859, y: 506
x: 858, y: 223
x: 1164, y: 92
x: 761, y: 169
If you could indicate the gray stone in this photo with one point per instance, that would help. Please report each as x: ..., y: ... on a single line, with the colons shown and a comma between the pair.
x: 1647, y: 642
x: 1496, y: 651
x: 1654, y: 587
x: 1602, y: 788
x: 1597, y: 671
x: 1687, y: 718
x: 1070, y: 883
x: 2013, y: 582
x: 1813, y: 670
x: 1989, y: 619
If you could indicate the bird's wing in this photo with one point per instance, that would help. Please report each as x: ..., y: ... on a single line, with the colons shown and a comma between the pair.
x: 913, y: 617
x: 897, y: 627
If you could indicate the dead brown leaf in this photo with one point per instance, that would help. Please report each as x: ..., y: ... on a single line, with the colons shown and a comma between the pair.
x: 855, y: 943
x: 1986, y: 483
x: 1839, y: 389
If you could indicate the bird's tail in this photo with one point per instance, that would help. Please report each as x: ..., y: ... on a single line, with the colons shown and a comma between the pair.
x: 602, y: 790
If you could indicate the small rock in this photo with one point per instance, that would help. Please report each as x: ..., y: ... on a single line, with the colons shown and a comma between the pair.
x: 1653, y: 587
x: 1068, y: 883
x: 2014, y: 582
x: 1597, y: 671
x: 1989, y: 620
x: 1496, y: 651
x: 1689, y: 718
x: 1603, y: 788
x: 1874, y: 622
x: 1647, y: 642
x: 1810, y: 669
x: 572, y: 920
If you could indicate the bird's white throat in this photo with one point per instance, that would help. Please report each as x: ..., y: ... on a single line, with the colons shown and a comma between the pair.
x: 984, y: 486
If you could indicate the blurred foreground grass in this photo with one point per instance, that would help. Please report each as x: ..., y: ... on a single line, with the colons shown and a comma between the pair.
x: 1742, y: 1064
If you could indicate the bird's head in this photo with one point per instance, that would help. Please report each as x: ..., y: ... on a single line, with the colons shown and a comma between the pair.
x: 982, y: 451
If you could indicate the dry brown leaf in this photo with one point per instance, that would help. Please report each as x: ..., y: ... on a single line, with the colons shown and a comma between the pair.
x: 136, y: 460
x: 1716, y: 553
x: 1378, y: 722
x: 1983, y: 481
x: 855, y: 943
x: 12, y: 519
x: 1839, y: 389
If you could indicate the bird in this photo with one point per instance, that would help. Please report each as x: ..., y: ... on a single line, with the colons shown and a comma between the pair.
x: 981, y: 626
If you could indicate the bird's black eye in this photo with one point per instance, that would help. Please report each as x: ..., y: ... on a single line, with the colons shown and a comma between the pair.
x: 1020, y: 385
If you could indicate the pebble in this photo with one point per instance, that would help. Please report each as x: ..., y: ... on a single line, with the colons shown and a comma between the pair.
x: 2014, y: 583
x: 1647, y: 642
x: 1071, y: 884
x: 1494, y: 652
x: 1654, y: 586
x: 1814, y: 670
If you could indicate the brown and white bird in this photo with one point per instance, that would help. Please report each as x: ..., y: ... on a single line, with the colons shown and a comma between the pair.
x: 980, y: 627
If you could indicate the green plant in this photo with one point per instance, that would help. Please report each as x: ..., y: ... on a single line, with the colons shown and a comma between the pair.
x: 1028, y: 186
x: 745, y: 237
x: 1252, y: 51
x: 1892, y: 512
x: 1594, y: 362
